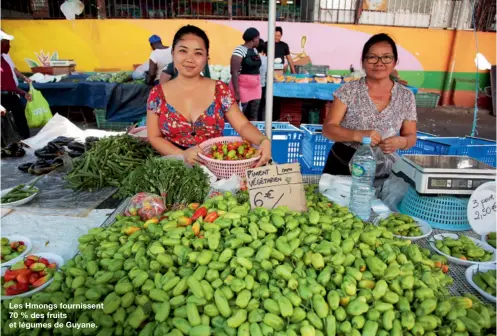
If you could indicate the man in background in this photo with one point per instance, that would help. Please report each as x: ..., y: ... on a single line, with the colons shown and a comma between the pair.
x: 281, y: 49
x: 160, y: 57
x: 11, y: 94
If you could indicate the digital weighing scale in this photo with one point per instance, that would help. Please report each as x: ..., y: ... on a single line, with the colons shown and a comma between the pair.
x: 443, y: 174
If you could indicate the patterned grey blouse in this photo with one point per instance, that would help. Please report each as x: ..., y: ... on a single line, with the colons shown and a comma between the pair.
x: 362, y: 113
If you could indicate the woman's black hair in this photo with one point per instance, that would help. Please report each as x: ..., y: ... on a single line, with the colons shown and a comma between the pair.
x: 377, y: 39
x: 250, y: 34
x: 191, y: 30
x: 262, y: 47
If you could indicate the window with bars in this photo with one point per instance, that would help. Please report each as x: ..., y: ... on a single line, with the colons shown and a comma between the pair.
x: 407, y: 13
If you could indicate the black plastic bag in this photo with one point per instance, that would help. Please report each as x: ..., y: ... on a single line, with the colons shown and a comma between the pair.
x: 9, y: 130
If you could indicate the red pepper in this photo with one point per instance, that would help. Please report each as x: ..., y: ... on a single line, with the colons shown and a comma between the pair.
x: 23, y: 276
x: 196, y: 229
x: 210, y: 218
x: 33, y: 277
x: 200, y: 212
x: 29, y: 262
x: 14, y: 245
x: 45, y: 261
x: 32, y: 257
x: 42, y: 280
x: 184, y: 221
x: 193, y: 206
x: 11, y: 275
x: 16, y: 289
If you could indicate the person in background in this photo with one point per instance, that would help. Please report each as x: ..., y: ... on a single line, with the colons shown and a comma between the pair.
x: 262, y: 50
x: 281, y: 49
x: 159, y: 58
x: 245, y: 74
x: 374, y: 106
x: 140, y: 71
x: 186, y: 111
x: 10, y: 92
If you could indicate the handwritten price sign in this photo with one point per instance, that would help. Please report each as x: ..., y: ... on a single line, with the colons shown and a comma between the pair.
x: 482, y: 210
x: 276, y: 185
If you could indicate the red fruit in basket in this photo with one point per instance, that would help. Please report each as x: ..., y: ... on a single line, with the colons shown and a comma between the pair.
x: 21, y: 243
x: 42, y: 280
x: 37, y: 267
x: 44, y: 261
x: 52, y: 266
x: 231, y: 147
x: 14, y: 245
x: 32, y: 257
x: 29, y: 262
x: 10, y: 275
x: 23, y: 276
x: 33, y: 277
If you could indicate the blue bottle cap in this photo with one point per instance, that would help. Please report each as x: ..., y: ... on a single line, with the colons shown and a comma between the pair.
x: 366, y: 141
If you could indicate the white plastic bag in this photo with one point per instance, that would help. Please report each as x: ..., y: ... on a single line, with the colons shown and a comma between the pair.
x: 393, y: 191
x: 71, y: 8
x: 336, y: 188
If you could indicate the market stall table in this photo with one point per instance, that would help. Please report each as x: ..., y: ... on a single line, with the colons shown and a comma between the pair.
x: 122, y: 102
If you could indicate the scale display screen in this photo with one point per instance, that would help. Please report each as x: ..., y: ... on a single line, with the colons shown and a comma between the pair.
x: 445, y: 183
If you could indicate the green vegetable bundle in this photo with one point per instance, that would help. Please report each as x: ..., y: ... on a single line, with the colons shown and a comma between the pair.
x: 260, y: 272
x: 108, y: 162
x: 99, y: 77
x: 120, y: 77
x: 463, y: 248
x: 401, y: 225
x: 169, y: 178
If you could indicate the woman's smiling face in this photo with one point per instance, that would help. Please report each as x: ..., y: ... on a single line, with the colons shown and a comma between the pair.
x: 190, y: 56
x: 379, y: 61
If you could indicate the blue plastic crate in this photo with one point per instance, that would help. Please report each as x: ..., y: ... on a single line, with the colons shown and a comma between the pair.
x: 315, y: 147
x: 307, y: 170
x: 285, y: 142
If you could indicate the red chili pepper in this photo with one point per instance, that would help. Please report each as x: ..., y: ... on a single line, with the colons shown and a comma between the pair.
x: 45, y: 261
x: 23, y: 276
x: 210, y: 218
x: 11, y: 275
x: 33, y: 277
x: 29, y: 262
x: 200, y: 212
x: 18, y: 288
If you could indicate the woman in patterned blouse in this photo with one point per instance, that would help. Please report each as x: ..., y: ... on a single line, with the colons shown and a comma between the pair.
x: 375, y: 107
x: 191, y: 109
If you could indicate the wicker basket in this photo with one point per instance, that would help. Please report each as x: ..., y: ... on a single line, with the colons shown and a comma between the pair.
x: 226, y: 169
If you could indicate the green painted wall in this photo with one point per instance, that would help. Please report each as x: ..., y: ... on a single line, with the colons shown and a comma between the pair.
x: 433, y: 80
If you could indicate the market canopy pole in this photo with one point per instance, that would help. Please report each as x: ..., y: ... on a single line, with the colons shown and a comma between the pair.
x: 270, y: 67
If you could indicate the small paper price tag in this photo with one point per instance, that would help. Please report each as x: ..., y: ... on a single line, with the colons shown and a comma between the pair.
x: 276, y: 185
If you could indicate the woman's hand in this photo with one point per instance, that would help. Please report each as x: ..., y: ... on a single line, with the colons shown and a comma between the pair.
x: 191, y: 155
x: 28, y: 97
x: 392, y: 144
x: 374, y: 135
x: 265, y: 152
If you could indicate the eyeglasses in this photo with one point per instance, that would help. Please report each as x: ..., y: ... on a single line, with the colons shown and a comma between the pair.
x: 375, y: 59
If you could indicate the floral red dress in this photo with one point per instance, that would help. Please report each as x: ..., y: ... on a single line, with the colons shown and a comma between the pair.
x: 184, y: 133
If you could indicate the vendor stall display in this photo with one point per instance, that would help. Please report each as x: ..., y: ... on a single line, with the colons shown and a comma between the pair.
x: 249, y: 271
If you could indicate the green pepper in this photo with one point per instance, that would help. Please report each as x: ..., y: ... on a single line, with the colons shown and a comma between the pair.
x: 407, y: 320
x: 333, y: 299
x: 272, y: 306
x: 222, y: 303
x: 370, y: 328
x: 317, y: 260
x: 358, y: 322
x: 357, y: 307
x: 320, y: 306
x: 315, y: 321
x: 298, y: 315
x: 274, y: 321
x: 340, y: 314
x: 380, y: 289
x: 376, y: 266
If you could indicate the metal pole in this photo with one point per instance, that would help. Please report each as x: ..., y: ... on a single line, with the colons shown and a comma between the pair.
x: 270, y: 67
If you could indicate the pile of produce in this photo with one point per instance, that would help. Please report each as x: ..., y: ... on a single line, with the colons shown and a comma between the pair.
x: 463, y: 248
x: 11, y: 250
x: 169, y: 178
x: 27, y: 275
x: 109, y: 161
x: 49, y: 156
x: 486, y: 281
x: 401, y: 225
x: 99, y: 77
x: 120, y: 77
x: 260, y: 272
x: 232, y: 151
x: 19, y: 193
x: 491, y: 239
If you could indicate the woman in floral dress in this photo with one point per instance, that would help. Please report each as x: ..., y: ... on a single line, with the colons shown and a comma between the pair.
x: 191, y: 109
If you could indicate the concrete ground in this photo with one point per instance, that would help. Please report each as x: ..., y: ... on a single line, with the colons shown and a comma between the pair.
x: 456, y: 122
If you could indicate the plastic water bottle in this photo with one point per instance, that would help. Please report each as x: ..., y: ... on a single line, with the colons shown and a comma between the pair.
x: 363, y: 171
